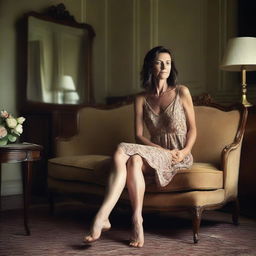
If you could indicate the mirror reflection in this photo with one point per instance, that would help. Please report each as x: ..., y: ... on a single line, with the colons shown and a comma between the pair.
x: 56, y: 62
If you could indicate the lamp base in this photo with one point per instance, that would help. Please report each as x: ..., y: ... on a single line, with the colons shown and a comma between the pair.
x: 70, y: 97
x: 245, y: 102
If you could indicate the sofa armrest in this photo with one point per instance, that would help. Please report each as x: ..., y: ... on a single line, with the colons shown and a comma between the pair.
x: 231, y: 171
x: 69, y: 146
x: 230, y: 159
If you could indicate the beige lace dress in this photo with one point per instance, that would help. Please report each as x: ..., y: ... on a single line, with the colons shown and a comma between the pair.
x: 169, y: 130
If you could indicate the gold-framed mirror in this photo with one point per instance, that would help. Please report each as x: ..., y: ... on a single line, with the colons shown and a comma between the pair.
x: 59, y: 51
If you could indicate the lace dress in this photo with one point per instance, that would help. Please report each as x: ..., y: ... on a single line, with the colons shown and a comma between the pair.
x: 169, y: 130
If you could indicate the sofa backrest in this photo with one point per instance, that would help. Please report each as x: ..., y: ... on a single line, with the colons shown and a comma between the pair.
x: 215, y: 130
x: 100, y: 130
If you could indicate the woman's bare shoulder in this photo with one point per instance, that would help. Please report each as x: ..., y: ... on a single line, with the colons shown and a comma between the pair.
x: 184, y: 91
x: 140, y: 97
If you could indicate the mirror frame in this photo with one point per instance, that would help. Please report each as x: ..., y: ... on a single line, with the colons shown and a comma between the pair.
x: 59, y: 15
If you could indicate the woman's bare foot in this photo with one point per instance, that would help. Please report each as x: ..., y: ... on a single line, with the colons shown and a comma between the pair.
x: 138, y: 233
x: 96, y: 230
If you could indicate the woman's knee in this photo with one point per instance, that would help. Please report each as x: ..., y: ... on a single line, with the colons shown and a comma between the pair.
x: 135, y: 160
x: 119, y: 154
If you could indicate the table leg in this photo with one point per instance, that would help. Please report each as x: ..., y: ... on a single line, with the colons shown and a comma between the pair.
x: 0, y: 186
x: 26, y: 177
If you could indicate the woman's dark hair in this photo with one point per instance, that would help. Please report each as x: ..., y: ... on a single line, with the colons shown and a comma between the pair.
x: 147, y: 78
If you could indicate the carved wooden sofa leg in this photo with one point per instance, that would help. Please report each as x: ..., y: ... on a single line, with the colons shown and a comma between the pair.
x: 235, y: 211
x: 196, y: 219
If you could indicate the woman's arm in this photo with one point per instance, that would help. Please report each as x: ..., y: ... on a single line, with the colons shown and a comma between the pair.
x: 191, y: 123
x: 138, y: 122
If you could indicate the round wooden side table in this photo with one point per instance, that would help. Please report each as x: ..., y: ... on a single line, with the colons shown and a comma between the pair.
x: 24, y: 153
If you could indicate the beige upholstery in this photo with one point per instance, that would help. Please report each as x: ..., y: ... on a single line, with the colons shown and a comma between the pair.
x: 216, y: 129
x: 99, y: 132
x: 82, y: 163
x: 91, y: 169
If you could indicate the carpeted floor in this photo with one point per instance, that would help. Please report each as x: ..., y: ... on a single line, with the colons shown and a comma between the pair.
x: 165, y: 235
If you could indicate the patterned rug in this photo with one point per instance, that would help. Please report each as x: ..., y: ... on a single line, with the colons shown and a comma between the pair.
x: 165, y: 235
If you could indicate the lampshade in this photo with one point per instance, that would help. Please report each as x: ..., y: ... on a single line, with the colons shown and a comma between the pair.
x: 67, y: 83
x: 241, y: 51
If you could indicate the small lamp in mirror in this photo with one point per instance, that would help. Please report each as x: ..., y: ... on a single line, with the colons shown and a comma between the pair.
x: 240, y: 55
x: 70, y: 95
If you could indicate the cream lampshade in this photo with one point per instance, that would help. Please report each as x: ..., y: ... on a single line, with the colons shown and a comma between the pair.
x: 70, y: 95
x: 67, y: 83
x: 240, y: 55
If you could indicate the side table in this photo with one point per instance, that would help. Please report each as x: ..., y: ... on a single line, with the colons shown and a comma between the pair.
x: 25, y: 153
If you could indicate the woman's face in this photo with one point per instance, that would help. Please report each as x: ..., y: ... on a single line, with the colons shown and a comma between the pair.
x: 162, y: 66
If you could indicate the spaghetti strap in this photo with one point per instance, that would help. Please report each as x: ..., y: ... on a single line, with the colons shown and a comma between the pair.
x: 178, y: 90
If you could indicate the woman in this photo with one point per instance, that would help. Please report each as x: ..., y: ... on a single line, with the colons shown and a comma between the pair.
x: 167, y: 110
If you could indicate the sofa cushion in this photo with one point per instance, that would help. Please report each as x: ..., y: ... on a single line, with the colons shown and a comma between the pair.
x: 85, y: 168
x: 201, y: 176
x: 95, y: 169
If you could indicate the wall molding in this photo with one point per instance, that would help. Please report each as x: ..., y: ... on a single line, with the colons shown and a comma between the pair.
x: 222, y: 41
x: 106, y: 47
x: 224, y: 92
x: 11, y: 187
x: 154, y: 23
x: 199, y: 85
x: 136, y: 45
x: 83, y: 11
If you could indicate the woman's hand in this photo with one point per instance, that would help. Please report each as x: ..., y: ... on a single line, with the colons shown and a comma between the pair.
x: 180, y: 155
x: 173, y: 153
x: 177, y: 155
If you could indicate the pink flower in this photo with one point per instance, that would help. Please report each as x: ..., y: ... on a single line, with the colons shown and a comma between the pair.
x: 3, y: 132
x: 4, y: 114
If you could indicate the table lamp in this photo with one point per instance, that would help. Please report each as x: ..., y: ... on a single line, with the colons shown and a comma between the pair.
x: 70, y: 95
x: 240, y: 55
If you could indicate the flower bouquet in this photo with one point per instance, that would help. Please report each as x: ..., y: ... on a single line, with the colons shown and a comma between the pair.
x: 10, y: 127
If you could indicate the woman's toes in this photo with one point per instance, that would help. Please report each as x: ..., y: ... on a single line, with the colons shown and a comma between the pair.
x: 97, y: 228
x: 133, y: 244
x: 140, y: 244
x: 88, y: 239
x: 136, y: 244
